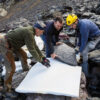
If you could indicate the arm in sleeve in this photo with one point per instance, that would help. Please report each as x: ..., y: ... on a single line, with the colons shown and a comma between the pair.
x: 31, y: 45
x: 84, y: 37
x: 79, y: 40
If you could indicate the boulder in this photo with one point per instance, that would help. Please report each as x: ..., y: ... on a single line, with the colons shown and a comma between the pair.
x: 3, y: 12
x: 87, y: 15
x: 66, y: 54
x: 1, y: 1
x: 98, y: 23
x: 82, y: 9
x: 94, y: 57
x: 18, y: 23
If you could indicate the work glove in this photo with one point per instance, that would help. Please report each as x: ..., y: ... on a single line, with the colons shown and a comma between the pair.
x: 45, y: 62
x: 78, y: 57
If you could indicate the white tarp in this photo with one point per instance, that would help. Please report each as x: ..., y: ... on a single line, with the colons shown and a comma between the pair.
x: 59, y: 79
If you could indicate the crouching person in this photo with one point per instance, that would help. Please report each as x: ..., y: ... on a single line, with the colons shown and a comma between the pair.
x: 88, y: 35
x: 51, y: 36
x: 12, y: 43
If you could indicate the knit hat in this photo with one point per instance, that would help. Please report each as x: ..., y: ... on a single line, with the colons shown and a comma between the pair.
x: 40, y: 25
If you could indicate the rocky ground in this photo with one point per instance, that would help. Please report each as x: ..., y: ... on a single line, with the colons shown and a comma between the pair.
x: 15, y: 14
x: 26, y: 9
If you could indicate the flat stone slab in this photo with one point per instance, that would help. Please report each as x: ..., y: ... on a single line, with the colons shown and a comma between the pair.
x: 59, y: 79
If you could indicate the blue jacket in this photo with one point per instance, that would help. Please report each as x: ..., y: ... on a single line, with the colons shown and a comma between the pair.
x: 51, y: 36
x: 87, y: 30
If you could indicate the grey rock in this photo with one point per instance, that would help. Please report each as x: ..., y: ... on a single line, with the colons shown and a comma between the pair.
x: 82, y: 9
x: 94, y: 98
x: 94, y: 56
x: 54, y: 7
x: 18, y: 23
x: 45, y: 97
x: 2, y: 1
x: 66, y: 54
x: 98, y: 23
x: 3, y: 12
x: 17, y: 78
x: 87, y: 15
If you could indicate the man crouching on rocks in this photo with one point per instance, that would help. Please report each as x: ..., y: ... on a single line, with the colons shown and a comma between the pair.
x: 12, y: 43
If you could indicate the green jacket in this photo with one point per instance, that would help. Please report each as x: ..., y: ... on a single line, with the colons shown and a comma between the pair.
x: 24, y: 36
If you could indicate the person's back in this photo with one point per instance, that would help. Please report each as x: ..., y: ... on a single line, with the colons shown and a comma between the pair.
x: 17, y: 37
x: 92, y: 28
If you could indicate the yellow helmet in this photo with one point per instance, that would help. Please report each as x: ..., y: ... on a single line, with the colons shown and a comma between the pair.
x: 71, y: 18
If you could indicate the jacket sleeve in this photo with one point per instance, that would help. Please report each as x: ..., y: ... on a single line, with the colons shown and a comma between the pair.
x: 84, y: 32
x: 79, y: 40
x: 32, y: 47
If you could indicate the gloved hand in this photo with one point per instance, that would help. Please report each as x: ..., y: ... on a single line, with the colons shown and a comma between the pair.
x: 78, y: 57
x: 45, y: 62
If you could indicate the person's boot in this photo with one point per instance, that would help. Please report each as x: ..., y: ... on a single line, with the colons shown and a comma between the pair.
x: 12, y: 94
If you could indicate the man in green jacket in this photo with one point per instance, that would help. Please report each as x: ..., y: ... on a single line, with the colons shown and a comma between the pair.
x: 12, y: 43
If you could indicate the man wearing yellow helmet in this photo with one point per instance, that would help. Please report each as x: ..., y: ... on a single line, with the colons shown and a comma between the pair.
x: 88, y: 37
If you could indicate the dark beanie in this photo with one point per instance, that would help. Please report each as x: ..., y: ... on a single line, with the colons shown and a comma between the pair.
x: 37, y: 25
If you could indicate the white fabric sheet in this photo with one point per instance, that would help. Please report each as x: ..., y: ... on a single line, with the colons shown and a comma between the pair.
x: 59, y: 79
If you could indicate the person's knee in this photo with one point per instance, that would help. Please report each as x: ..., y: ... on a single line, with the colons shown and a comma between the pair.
x: 84, y: 53
x: 91, y: 45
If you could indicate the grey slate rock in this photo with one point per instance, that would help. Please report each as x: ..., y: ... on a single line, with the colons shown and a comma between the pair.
x: 94, y: 56
x: 66, y: 54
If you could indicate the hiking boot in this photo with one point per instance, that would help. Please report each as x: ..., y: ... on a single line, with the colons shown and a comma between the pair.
x: 12, y: 95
